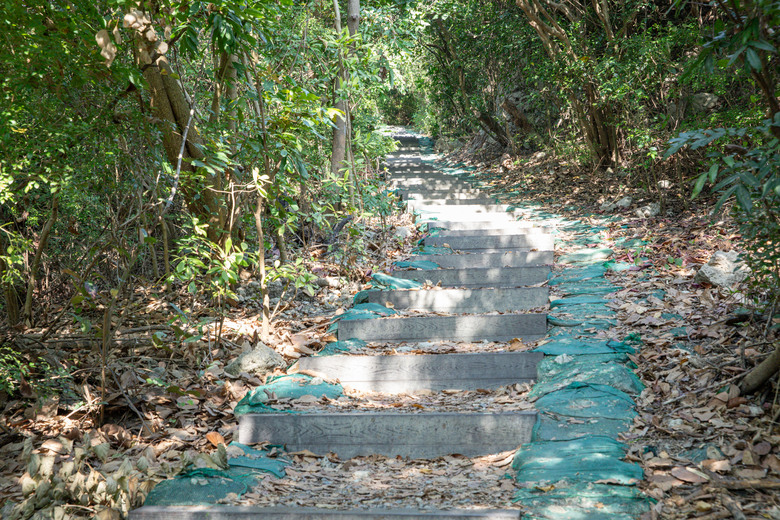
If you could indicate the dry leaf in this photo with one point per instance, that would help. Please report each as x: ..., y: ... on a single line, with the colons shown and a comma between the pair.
x: 689, y: 475
x: 215, y: 439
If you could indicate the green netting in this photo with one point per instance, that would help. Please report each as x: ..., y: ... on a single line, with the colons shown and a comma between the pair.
x: 586, y: 256
x: 568, y: 344
x: 362, y: 296
x: 433, y: 250
x: 554, y: 427
x: 556, y: 321
x: 580, y: 460
x: 577, y: 274
x: 587, y: 327
x: 391, y: 282
x: 576, y: 300
x: 588, y: 400
x: 285, y: 387
x: 585, y: 288
x: 583, y: 501
x: 585, y: 369
x: 361, y: 311
x: 337, y: 347
x: 426, y: 265
x: 206, y: 486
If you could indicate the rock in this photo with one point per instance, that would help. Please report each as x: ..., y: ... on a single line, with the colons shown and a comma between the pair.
x: 445, y: 145
x: 403, y: 232
x: 622, y: 203
x: 648, y: 210
x: 664, y: 185
x: 704, y: 102
x: 723, y: 270
x: 258, y: 361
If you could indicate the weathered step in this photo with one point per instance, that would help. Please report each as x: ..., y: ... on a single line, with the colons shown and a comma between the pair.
x: 220, y: 512
x: 471, y: 327
x: 481, y: 223
x: 451, y: 202
x: 470, y: 208
x: 458, y: 301
x: 538, y: 241
x: 488, y: 260
x: 432, y: 184
x: 436, y: 372
x: 413, y: 435
x: 491, y: 231
x: 478, y: 276
x: 410, y: 194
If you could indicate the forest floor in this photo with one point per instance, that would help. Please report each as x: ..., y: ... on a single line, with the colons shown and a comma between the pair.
x: 167, y: 402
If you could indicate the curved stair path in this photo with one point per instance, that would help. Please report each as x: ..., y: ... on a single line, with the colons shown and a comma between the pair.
x: 491, y: 284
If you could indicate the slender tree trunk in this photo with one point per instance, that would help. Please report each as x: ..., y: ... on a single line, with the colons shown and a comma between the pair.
x: 36, y: 264
x: 340, y: 132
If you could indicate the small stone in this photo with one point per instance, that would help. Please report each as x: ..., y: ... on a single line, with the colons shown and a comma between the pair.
x: 403, y: 232
x: 723, y: 270
x: 664, y: 185
x: 624, y: 202
x: 258, y: 361
x: 648, y: 210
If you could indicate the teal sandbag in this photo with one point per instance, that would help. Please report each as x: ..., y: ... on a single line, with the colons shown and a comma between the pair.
x: 577, y: 274
x: 353, y: 314
x: 553, y: 427
x: 582, y: 289
x: 583, y: 501
x: 208, y: 486
x: 577, y: 300
x: 391, y: 282
x: 586, y: 256
x: 556, y: 321
x: 588, y: 459
x: 336, y: 347
x: 433, y: 250
x: 587, y: 371
x: 291, y: 386
x: 362, y: 296
x: 375, y: 307
x: 426, y: 265
x: 568, y: 344
x: 588, y: 400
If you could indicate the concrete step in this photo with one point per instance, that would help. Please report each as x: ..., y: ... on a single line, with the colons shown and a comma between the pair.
x: 472, y: 327
x: 491, y: 232
x: 451, y: 202
x: 411, y: 194
x: 470, y: 208
x: 436, y: 372
x: 460, y: 301
x: 479, y: 276
x: 538, y: 241
x: 220, y: 512
x: 432, y: 184
x: 478, y: 224
x: 489, y: 260
x: 413, y: 435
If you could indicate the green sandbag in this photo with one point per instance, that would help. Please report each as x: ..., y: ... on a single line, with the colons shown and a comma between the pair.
x: 587, y: 371
x: 433, y: 250
x: 553, y: 427
x: 336, y: 347
x: 375, y: 307
x: 588, y: 459
x: 577, y: 300
x: 588, y: 400
x: 291, y: 386
x: 426, y: 265
x: 391, y: 282
x: 568, y: 344
x: 577, y: 274
x: 207, y: 486
x: 586, y: 256
x: 583, y: 501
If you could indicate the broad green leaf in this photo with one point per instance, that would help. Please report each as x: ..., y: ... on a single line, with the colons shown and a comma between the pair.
x: 753, y: 59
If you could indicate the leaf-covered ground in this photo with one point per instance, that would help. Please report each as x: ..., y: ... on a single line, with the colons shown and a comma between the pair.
x: 707, y: 452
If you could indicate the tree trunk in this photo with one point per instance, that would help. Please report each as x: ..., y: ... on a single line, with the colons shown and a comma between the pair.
x: 756, y: 378
x: 36, y: 264
x: 339, y: 142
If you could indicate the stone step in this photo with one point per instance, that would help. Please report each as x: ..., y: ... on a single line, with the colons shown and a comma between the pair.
x: 472, y: 327
x: 412, y: 373
x: 479, y: 276
x: 409, y: 194
x: 489, y: 260
x: 432, y: 184
x: 414, y: 435
x: 220, y: 512
x: 469, y: 208
x: 442, y: 233
x: 484, y: 222
x: 460, y: 301
x: 451, y: 202
x: 538, y: 241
